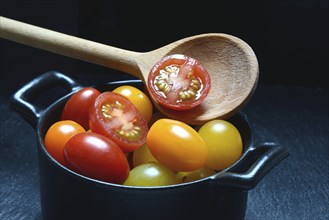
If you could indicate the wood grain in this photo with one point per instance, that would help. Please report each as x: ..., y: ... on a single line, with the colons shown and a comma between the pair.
x: 231, y: 63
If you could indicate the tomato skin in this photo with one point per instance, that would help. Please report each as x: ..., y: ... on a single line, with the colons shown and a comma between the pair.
x: 78, y: 105
x: 184, y: 177
x: 112, y: 114
x: 138, y: 98
x: 224, y: 143
x: 142, y: 155
x: 151, y: 174
x: 176, y: 145
x: 57, y: 135
x: 171, y: 85
x: 97, y: 157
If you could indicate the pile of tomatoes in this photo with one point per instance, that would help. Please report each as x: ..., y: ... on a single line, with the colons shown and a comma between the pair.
x: 119, y: 137
x: 153, y: 150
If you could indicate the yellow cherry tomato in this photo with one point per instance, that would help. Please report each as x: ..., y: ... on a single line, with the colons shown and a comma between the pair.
x: 184, y: 177
x: 143, y: 155
x: 176, y: 145
x: 150, y: 174
x: 224, y: 143
x: 138, y: 98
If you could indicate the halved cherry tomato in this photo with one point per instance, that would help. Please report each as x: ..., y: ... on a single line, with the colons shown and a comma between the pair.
x: 176, y: 145
x: 57, y: 136
x: 115, y: 117
x: 138, y: 98
x: 96, y: 156
x: 179, y: 82
x: 78, y: 105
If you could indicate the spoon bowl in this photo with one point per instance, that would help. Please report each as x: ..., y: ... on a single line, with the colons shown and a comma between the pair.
x: 231, y: 63
x: 233, y: 69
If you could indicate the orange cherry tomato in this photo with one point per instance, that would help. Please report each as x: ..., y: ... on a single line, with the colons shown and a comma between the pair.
x: 57, y: 136
x: 176, y: 145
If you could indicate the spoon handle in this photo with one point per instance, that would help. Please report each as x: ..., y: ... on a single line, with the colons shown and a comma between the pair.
x: 82, y: 49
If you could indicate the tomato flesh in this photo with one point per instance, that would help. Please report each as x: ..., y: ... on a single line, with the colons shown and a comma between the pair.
x: 179, y: 82
x: 115, y: 117
x: 138, y: 98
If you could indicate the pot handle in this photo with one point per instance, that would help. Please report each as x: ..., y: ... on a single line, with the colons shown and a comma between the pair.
x: 22, y: 100
x: 253, y: 166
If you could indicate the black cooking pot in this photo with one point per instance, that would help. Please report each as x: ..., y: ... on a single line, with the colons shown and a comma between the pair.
x: 66, y: 194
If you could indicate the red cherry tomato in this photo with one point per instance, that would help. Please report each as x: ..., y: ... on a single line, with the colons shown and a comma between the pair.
x: 77, y: 107
x: 179, y: 82
x: 115, y: 117
x: 96, y: 156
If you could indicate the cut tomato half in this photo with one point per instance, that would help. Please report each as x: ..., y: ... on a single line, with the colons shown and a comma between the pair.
x: 179, y: 82
x: 115, y: 117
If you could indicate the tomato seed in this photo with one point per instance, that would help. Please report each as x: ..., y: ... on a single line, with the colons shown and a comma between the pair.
x: 132, y: 134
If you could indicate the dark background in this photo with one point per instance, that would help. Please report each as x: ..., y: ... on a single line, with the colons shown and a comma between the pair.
x: 290, y: 38
x: 289, y: 107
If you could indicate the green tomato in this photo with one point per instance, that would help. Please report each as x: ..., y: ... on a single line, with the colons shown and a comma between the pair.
x: 224, y: 143
x: 143, y: 155
x: 150, y: 174
x: 184, y: 177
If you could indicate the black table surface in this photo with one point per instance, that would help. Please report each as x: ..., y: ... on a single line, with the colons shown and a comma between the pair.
x: 293, y: 117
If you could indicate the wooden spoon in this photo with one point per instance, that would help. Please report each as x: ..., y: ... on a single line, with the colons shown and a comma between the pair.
x: 231, y: 63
